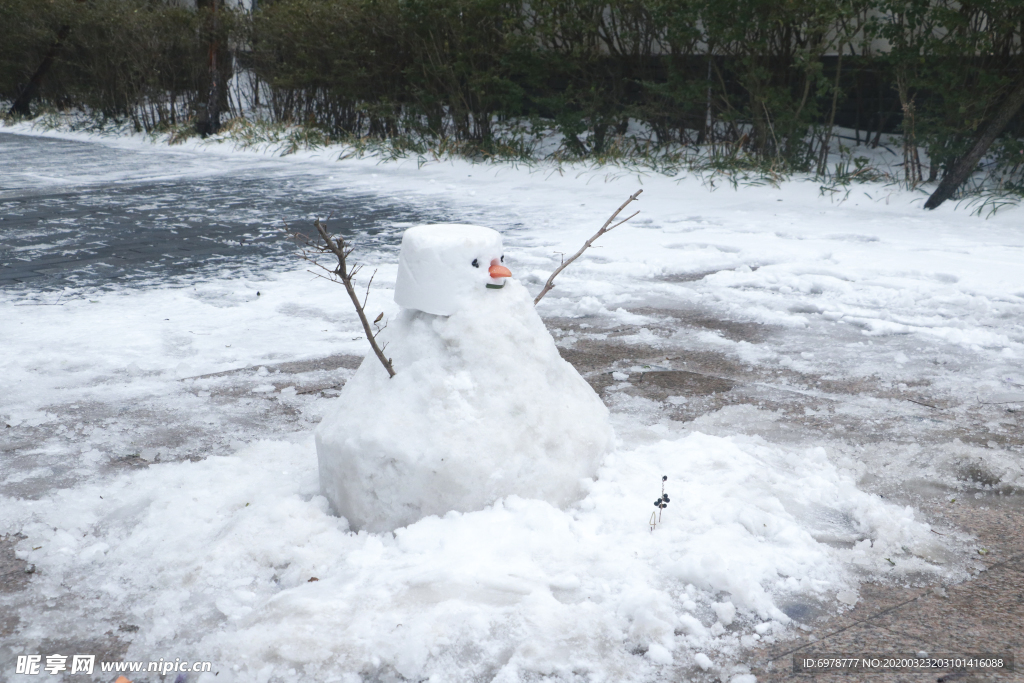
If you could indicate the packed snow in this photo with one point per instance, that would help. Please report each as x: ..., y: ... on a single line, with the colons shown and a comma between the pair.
x: 482, y: 405
x: 440, y: 265
x: 162, y: 476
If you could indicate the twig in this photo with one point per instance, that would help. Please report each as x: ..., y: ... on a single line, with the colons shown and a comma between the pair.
x: 337, y: 247
x: 367, y: 295
x: 922, y: 403
x: 55, y: 303
x: 318, y: 389
x: 549, y: 285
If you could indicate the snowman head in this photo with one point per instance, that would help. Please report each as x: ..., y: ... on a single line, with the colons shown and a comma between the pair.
x: 441, y: 265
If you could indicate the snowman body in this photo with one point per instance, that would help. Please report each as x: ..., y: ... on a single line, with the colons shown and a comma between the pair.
x: 482, y: 405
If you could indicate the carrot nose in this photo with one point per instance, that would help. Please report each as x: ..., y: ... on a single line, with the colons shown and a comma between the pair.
x: 499, y: 271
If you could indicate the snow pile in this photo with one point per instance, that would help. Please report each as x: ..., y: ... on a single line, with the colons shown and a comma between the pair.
x: 482, y: 406
x: 215, y: 560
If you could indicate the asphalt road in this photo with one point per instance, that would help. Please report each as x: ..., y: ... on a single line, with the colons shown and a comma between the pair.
x: 85, y: 214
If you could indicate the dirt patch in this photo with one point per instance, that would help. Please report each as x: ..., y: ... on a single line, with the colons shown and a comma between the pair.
x: 697, y: 319
x: 109, y: 647
x: 812, y: 398
x: 589, y: 357
x: 14, y: 573
x: 680, y: 383
x: 295, y: 367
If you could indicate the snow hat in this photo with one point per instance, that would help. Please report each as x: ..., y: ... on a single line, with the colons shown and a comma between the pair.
x: 440, y: 265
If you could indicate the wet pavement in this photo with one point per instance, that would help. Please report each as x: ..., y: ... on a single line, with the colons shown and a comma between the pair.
x: 80, y: 214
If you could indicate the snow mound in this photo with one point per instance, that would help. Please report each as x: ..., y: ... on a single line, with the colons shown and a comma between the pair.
x: 482, y: 406
x: 214, y: 560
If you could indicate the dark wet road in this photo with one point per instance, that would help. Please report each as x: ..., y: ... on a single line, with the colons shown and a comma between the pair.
x: 85, y: 214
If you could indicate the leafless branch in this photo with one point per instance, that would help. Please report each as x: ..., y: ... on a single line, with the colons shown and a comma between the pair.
x: 549, y: 285
x: 380, y: 328
x: 342, y: 273
x: 367, y: 295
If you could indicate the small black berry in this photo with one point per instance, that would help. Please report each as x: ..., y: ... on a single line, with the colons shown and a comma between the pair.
x: 665, y: 498
x: 657, y: 503
x: 664, y: 478
x: 476, y: 263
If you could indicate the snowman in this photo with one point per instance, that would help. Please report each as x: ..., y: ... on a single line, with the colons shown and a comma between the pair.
x: 481, y: 407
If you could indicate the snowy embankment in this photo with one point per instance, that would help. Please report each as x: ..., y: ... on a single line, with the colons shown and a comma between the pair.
x: 214, y: 559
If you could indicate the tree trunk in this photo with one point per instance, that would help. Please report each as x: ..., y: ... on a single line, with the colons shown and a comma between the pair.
x: 964, y: 166
x: 21, y: 104
x: 210, y: 123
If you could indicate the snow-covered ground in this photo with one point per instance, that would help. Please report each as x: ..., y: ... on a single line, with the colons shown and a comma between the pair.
x: 160, y: 477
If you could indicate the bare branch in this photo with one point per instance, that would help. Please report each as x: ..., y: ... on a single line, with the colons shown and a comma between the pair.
x: 342, y: 251
x: 367, y: 295
x: 622, y: 221
x: 604, y: 228
x: 380, y: 328
x: 329, y: 279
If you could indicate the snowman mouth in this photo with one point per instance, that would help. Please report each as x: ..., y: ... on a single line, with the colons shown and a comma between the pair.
x: 498, y: 271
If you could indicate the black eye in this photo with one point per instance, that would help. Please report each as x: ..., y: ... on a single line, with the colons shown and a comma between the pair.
x: 476, y: 263
x: 502, y: 258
